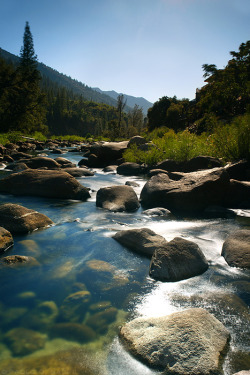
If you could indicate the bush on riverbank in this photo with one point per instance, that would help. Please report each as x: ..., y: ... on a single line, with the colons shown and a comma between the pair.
x: 227, y: 141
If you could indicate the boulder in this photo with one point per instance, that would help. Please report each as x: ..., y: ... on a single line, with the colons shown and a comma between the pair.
x: 137, y: 140
x: 143, y: 240
x: 239, y: 170
x: 41, y: 162
x: 106, y: 153
x: 16, y: 260
x: 117, y: 198
x: 24, y: 341
x: 20, y: 155
x: 238, y: 194
x: 129, y: 169
x: 236, y: 249
x: 190, y: 195
x: 18, y: 219
x: 79, y: 172
x: 44, y: 183
x: 73, y: 332
x: 179, y: 259
x: 201, y: 162
x: 158, y: 211
x: 170, y: 165
x: 189, y: 342
x: 65, y: 163
x: 6, y: 240
x: 219, y: 212
x: 244, y: 372
x: 110, y: 169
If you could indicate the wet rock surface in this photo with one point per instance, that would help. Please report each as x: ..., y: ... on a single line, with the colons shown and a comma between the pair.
x: 117, y: 198
x: 44, y: 183
x: 179, y: 259
x: 6, y: 240
x: 19, y: 219
x: 236, y: 249
x: 183, y: 343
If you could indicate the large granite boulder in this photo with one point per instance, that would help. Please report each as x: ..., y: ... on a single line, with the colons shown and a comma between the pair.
x: 183, y: 343
x: 236, y: 249
x: 239, y: 170
x: 191, y: 194
x: 170, y: 165
x: 79, y: 172
x: 117, y: 198
x: 129, y: 169
x: 143, y: 240
x: 136, y: 140
x: 41, y: 162
x: 179, y: 259
x: 6, y: 239
x: 106, y: 153
x: 44, y: 183
x: 238, y: 194
x: 201, y: 162
x: 18, y: 219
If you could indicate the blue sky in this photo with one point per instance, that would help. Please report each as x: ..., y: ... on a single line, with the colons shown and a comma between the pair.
x: 148, y: 48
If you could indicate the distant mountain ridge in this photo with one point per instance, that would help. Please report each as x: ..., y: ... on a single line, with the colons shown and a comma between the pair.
x: 88, y: 93
x: 131, y: 100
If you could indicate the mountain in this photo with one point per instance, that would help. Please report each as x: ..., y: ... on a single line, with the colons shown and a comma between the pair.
x: 131, y: 100
x: 88, y: 93
x: 62, y: 80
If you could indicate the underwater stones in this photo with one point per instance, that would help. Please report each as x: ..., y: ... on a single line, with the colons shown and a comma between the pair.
x: 18, y: 219
x: 23, y: 341
x: 73, y: 331
x: 184, y: 343
x: 179, y: 259
x: 75, y: 305
x: 19, y: 260
x: 190, y: 195
x: 101, y: 320
x: 117, y: 198
x: 143, y: 240
x: 102, y: 276
x: 44, y: 183
x: 63, y: 363
x: 236, y: 249
x: 42, y: 316
x: 6, y: 240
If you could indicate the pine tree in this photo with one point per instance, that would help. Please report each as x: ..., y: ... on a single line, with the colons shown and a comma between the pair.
x: 29, y: 110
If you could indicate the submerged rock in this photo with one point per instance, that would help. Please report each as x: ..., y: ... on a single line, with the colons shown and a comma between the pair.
x: 183, y: 343
x: 44, y: 183
x: 16, y: 260
x: 100, y: 321
x: 179, y: 259
x: 236, y: 249
x: 74, y: 306
x: 6, y: 240
x: 24, y: 341
x: 143, y: 240
x: 73, y: 331
x: 18, y: 219
x: 117, y: 198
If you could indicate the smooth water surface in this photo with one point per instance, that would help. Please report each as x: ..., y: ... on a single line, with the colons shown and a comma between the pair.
x: 64, y: 309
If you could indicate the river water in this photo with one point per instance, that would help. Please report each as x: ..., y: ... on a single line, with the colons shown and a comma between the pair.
x: 68, y: 305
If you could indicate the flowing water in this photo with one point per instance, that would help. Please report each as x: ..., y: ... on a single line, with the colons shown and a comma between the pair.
x: 61, y: 314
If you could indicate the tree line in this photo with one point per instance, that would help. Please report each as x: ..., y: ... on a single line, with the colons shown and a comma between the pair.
x: 30, y: 103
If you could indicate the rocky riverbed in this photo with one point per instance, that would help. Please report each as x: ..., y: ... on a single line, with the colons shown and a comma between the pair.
x: 80, y: 285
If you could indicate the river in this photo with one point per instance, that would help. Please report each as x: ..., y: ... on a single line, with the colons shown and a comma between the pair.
x: 82, y: 276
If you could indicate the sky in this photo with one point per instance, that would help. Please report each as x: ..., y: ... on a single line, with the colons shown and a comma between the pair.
x: 144, y: 48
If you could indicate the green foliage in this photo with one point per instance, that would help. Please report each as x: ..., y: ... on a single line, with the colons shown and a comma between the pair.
x: 232, y: 141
